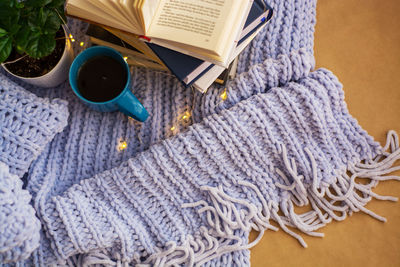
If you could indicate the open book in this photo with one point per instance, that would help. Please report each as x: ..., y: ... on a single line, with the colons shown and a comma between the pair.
x: 206, y: 29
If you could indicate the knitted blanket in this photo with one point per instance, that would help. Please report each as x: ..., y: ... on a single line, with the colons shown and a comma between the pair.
x: 187, y: 186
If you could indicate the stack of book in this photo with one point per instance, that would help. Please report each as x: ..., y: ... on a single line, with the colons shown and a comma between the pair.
x: 197, y: 40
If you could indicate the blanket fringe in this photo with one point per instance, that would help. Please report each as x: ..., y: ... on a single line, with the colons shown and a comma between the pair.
x: 227, y: 215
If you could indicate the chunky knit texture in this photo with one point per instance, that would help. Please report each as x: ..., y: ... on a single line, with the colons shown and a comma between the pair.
x: 28, y: 123
x: 196, y: 177
x: 19, y: 227
x: 246, y: 159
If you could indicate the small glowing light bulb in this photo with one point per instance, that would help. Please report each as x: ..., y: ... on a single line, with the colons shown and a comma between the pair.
x: 70, y: 36
x: 224, y: 95
x: 173, y: 128
x: 186, y: 115
x: 81, y: 43
x: 123, y: 145
x: 72, y: 40
x: 126, y: 58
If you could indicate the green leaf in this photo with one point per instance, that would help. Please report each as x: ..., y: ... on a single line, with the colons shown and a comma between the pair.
x: 37, y: 3
x: 36, y: 20
x: 19, y: 5
x: 20, y: 50
x: 22, y: 38
x: 2, y: 32
x: 7, y: 3
x: 52, y: 22
x: 5, y: 47
x: 56, y: 3
x: 45, y: 21
x: 14, y: 29
x: 8, y: 16
x: 41, y: 46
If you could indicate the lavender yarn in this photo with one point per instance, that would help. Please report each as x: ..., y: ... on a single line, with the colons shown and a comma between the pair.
x: 88, y: 144
x: 19, y: 227
x: 28, y: 123
x: 187, y: 199
x: 187, y: 191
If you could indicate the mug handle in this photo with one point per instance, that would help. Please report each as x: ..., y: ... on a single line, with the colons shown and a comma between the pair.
x: 131, y: 107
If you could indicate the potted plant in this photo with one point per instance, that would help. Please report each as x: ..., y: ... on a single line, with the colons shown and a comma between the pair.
x: 34, y: 45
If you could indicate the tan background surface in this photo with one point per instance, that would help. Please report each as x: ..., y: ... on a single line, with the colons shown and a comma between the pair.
x: 359, y: 40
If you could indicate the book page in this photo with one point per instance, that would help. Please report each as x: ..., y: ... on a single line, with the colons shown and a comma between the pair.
x: 124, y: 9
x: 184, y: 21
x: 149, y: 8
x: 94, y: 14
x: 138, y: 13
x: 131, y: 11
x: 108, y: 8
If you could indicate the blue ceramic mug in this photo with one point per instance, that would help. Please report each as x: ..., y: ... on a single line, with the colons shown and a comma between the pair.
x: 125, y: 102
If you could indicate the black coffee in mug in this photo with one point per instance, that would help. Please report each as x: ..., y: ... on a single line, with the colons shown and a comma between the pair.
x: 101, y: 78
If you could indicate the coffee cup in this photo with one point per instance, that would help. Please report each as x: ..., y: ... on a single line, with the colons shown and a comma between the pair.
x: 100, y: 77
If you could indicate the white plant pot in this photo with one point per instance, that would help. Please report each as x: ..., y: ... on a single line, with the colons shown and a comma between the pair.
x: 58, y: 74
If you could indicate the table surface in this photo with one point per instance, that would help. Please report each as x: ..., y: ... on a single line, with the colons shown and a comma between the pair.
x: 359, y: 41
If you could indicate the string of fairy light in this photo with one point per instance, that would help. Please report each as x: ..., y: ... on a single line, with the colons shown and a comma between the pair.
x: 123, y: 144
x: 184, y: 117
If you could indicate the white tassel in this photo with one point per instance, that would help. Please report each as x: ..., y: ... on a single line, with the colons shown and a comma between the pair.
x: 196, y: 251
x: 228, y: 214
x: 99, y: 257
x: 225, y: 215
x: 315, y: 177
